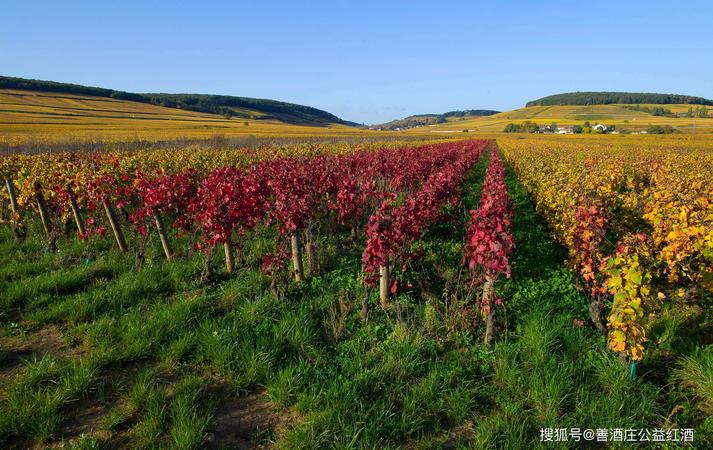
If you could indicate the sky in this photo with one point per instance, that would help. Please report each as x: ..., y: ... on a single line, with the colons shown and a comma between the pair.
x: 369, y: 62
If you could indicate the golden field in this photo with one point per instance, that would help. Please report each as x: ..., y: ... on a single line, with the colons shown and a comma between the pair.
x: 618, y: 115
x: 49, y: 116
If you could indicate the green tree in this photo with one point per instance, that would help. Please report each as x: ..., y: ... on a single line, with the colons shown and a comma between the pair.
x: 659, y: 129
x: 530, y: 127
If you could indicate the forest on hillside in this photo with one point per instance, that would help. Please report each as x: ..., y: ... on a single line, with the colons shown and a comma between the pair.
x: 213, y: 104
x: 625, y: 98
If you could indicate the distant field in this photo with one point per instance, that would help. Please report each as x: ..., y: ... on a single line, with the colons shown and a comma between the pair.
x: 27, y: 117
x: 618, y: 115
x: 56, y: 116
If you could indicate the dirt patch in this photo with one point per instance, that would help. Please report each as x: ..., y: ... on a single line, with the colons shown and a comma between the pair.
x: 459, y: 435
x: 85, y: 417
x: 247, y: 422
x: 36, y: 344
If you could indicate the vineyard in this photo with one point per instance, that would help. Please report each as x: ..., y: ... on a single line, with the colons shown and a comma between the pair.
x: 214, y: 201
x: 636, y: 222
x: 346, y: 295
x: 35, y: 116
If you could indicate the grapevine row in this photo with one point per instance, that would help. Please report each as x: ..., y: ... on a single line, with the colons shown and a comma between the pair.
x: 216, y: 206
x: 489, y: 239
x: 637, y: 220
x: 399, y: 222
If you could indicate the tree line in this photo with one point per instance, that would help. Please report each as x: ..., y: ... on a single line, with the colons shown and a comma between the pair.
x: 609, y: 98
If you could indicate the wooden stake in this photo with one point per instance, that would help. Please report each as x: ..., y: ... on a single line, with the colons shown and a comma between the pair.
x: 384, y: 284
x: 311, y: 253
x: 596, y: 312
x: 165, y: 243
x: 297, y: 258
x: 13, y: 196
x: 229, y: 261
x: 44, y: 214
x: 75, y: 212
x: 19, y: 229
x: 115, y: 226
x: 365, y: 307
x: 488, y: 297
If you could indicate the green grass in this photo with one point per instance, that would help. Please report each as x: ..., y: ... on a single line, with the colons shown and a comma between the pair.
x: 157, y: 353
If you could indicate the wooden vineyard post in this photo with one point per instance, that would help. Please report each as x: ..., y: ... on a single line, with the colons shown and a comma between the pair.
x: 12, y: 194
x: 44, y: 213
x: 19, y: 230
x: 297, y: 258
x: 165, y: 243
x: 311, y: 253
x: 229, y: 260
x: 596, y: 313
x: 115, y: 226
x: 384, y: 284
x: 75, y: 212
x: 489, y: 305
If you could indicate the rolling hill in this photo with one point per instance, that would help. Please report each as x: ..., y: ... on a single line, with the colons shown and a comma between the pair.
x: 60, y: 112
x: 241, y: 107
x: 420, y: 120
x: 42, y: 110
x: 54, y: 116
x: 623, y: 116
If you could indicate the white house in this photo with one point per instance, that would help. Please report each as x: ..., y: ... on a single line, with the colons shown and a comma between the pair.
x: 600, y: 127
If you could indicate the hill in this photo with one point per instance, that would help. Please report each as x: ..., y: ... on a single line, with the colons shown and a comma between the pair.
x: 29, y: 116
x: 241, y: 107
x: 420, y: 120
x: 624, y: 116
x: 619, y: 98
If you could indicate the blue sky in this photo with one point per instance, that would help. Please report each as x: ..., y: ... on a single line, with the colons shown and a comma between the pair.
x: 365, y: 61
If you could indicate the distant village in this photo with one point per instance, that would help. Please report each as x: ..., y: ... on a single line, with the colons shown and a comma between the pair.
x: 585, y: 128
x: 599, y: 128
